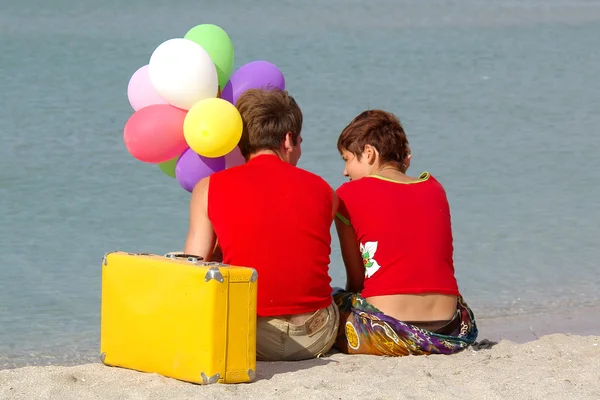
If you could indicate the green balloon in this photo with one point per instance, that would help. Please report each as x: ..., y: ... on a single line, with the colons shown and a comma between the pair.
x: 218, y: 45
x: 168, y: 167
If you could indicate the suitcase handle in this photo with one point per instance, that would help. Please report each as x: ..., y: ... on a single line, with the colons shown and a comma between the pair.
x: 189, y: 257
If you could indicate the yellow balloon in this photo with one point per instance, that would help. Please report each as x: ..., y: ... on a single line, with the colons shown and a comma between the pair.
x: 212, y: 127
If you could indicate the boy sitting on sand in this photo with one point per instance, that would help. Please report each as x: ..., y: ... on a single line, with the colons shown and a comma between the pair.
x: 274, y: 217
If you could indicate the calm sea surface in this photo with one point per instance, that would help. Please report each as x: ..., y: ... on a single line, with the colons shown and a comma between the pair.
x: 500, y: 99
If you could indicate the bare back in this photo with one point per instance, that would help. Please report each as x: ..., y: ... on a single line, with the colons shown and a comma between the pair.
x: 416, y: 307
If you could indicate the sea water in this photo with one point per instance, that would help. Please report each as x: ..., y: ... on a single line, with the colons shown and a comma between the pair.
x: 500, y: 101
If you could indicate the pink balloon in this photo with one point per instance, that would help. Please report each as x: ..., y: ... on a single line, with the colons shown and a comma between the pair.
x: 234, y: 158
x: 154, y: 134
x: 140, y: 91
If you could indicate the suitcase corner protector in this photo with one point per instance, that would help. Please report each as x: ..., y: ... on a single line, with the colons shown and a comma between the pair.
x: 214, y: 273
x: 103, y: 358
x: 254, y: 276
x: 207, y: 380
x: 105, y: 257
x: 251, y: 374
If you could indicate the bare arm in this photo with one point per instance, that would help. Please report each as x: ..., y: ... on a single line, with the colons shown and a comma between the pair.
x: 201, y: 238
x: 355, y: 269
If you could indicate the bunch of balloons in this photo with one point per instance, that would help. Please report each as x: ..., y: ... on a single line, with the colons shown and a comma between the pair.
x: 185, y: 119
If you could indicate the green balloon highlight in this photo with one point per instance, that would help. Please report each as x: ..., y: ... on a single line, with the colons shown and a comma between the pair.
x: 168, y: 167
x: 219, y: 47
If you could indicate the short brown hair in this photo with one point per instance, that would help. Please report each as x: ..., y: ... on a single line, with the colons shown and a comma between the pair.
x: 267, y: 115
x: 381, y: 130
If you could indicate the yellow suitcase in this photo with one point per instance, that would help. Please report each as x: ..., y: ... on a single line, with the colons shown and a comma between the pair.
x: 178, y: 317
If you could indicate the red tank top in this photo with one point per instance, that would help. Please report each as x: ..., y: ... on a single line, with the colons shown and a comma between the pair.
x: 404, y: 232
x: 274, y: 217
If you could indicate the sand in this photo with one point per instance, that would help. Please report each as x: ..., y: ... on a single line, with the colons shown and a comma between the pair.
x: 558, y: 366
x: 519, y: 357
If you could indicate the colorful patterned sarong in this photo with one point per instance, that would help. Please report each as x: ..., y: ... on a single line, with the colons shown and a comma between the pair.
x: 366, y: 330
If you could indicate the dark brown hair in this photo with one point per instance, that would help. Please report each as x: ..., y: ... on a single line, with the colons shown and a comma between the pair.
x: 380, y: 129
x: 267, y: 115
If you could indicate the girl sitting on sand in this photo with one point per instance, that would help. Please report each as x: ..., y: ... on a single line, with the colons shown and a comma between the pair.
x: 395, y: 234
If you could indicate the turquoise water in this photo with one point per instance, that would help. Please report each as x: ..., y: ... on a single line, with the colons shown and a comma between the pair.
x: 500, y: 99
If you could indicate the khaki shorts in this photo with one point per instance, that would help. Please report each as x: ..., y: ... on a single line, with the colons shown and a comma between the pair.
x: 279, y: 340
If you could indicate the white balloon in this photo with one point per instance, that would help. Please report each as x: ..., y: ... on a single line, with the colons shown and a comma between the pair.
x: 183, y: 73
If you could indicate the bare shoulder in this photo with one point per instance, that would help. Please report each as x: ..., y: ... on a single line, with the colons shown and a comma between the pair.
x: 200, y: 192
x: 202, y: 185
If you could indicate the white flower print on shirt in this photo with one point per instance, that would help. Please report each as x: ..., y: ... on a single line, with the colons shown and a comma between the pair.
x: 368, y: 253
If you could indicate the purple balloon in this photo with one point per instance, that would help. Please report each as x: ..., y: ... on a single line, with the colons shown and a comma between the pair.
x: 254, y: 75
x: 191, y: 167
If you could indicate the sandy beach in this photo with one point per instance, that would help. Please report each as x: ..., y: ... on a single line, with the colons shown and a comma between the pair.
x: 552, y: 366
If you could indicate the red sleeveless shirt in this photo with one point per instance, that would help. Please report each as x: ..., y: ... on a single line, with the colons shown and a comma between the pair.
x: 274, y: 217
x: 404, y: 232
